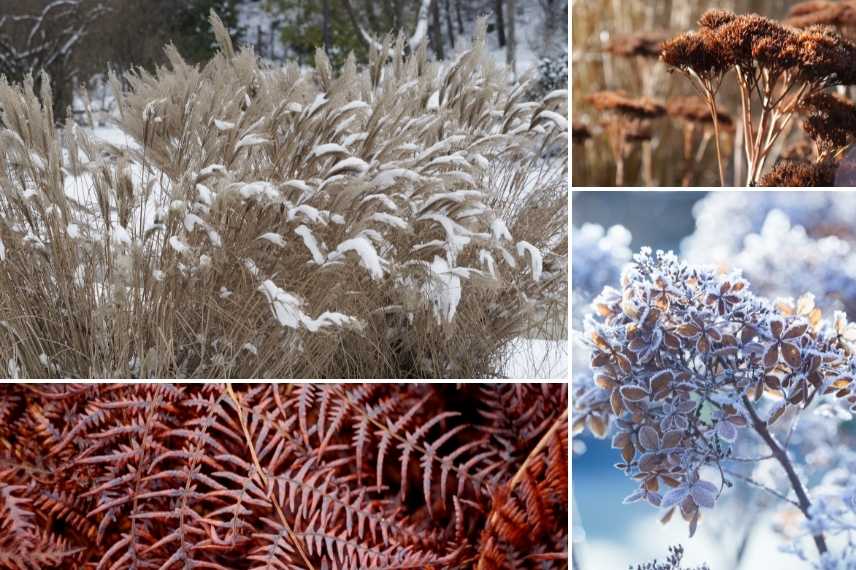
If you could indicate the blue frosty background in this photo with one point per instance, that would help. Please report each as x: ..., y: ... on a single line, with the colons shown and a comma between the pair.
x: 607, y: 534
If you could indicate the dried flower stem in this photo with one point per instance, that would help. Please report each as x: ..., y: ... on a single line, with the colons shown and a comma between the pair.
x: 694, y: 158
x: 781, y: 455
x: 707, y: 90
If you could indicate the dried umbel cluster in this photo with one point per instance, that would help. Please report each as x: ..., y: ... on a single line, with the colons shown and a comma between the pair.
x: 777, y: 68
x: 644, y: 44
x: 627, y: 121
x: 799, y: 173
x: 840, y: 14
x: 283, y: 476
x: 830, y: 123
x: 406, y: 219
x: 686, y: 359
x: 620, y: 103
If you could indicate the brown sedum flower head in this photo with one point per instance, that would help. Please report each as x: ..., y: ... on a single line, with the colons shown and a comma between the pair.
x: 812, y: 7
x: 700, y: 52
x: 788, y: 173
x: 716, y: 18
x: 638, y: 131
x: 776, y: 68
x: 778, y: 53
x: 643, y: 44
x: 830, y: 122
x: 826, y: 57
x: 725, y: 40
x: 618, y: 102
x: 743, y: 34
x: 822, y: 12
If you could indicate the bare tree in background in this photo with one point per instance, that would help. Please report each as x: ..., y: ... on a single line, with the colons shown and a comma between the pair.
x: 500, y: 22
x: 436, y: 29
x: 450, y: 29
x: 510, y: 54
x: 326, y: 32
x: 420, y: 30
x: 45, y: 41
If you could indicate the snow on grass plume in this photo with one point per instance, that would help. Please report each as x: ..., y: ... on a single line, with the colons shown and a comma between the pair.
x: 337, y: 226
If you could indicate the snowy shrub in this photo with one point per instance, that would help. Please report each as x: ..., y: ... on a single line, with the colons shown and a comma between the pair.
x: 598, y: 256
x: 551, y: 75
x: 737, y: 231
x: 690, y: 366
x: 392, y: 221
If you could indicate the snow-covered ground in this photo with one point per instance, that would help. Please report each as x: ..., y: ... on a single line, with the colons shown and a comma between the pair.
x: 538, y: 359
x: 112, y: 135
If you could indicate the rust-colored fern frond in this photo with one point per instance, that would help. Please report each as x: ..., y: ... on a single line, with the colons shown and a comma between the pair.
x: 354, y: 476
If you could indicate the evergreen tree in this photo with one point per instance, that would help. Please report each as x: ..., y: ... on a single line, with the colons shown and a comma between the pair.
x: 191, y: 31
x: 305, y: 27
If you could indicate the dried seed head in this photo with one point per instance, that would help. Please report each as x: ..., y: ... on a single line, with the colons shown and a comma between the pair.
x: 820, y: 54
x: 643, y: 44
x: 618, y: 102
x: 822, y: 12
x: 826, y: 56
x: 830, y: 122
x: 700, y: 52
x: 779, y: 53
x: 713, y: 19
x: 811, y: 7
x: 800, y: 174
x: 743, y: 33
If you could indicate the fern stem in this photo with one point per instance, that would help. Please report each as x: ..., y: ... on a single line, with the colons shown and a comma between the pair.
x: 562, y: 420
x: 262, y: 476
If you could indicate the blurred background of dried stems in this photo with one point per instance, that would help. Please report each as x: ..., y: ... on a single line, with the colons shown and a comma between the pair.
x: 595, y: 23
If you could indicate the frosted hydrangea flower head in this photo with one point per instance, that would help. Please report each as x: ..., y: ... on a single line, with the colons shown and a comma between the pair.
x: 685, y: 359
